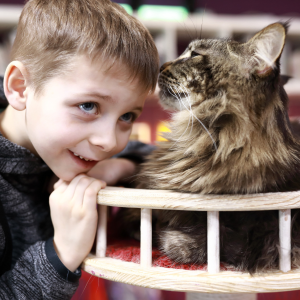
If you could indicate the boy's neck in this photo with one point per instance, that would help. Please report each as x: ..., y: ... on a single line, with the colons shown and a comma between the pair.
x: 13, y: 127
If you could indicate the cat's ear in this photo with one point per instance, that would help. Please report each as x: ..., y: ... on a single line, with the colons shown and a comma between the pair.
x: 266, y: 47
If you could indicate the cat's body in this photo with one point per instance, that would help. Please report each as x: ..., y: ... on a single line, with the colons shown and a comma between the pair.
x: 230, y: 134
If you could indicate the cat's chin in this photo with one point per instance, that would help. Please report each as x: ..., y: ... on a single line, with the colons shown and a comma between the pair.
x: 174, y: 102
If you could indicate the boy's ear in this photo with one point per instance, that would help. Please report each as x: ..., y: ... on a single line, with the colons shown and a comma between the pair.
x: 15, y: 85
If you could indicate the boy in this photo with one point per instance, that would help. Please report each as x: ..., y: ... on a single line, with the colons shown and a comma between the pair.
x: 79, y: 75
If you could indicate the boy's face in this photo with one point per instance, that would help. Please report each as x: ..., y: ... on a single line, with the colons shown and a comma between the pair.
x: 86, y: 113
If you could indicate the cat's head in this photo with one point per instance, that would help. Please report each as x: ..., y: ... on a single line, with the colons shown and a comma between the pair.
x: 208, y: 68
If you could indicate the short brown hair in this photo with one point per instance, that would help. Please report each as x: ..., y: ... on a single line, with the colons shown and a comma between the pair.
x: 51, y: 32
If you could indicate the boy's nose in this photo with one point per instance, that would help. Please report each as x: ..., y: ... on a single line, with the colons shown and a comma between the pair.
x: 106, y: 141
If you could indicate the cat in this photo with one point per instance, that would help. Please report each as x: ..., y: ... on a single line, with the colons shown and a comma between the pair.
x: 230, y: 134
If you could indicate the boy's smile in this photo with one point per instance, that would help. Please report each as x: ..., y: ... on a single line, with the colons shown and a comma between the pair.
x: 81, y: 117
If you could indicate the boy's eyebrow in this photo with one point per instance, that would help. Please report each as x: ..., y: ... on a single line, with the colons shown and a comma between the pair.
x: 139, y: 108
x: 96, y: 95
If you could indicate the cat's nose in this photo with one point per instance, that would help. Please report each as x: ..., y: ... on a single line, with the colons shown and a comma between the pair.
x: 164, y: 66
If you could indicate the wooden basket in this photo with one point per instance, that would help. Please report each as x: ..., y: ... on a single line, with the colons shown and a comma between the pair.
x: 213, y: 280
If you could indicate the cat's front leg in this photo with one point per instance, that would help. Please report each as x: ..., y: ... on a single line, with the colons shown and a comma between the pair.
x: 182, y: 236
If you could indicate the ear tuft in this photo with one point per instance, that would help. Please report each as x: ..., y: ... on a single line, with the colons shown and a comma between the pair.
x: 267, y: 46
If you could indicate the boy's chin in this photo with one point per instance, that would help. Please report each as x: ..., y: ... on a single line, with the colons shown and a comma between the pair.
x: 67, y: 176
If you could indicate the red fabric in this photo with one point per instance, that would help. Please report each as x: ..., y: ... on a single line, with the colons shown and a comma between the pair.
x: 129, y: 250
x: 294, y: 295
x: 167, y: 295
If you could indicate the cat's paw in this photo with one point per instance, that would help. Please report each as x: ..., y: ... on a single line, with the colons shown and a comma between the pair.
x: 182, y: 247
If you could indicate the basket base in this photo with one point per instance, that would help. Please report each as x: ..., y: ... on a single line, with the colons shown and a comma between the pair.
x: 225, y: 282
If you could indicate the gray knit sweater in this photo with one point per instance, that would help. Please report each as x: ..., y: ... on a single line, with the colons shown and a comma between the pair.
x: 29, y: 266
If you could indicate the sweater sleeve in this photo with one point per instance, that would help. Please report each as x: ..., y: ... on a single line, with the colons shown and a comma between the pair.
x: 35, y: 277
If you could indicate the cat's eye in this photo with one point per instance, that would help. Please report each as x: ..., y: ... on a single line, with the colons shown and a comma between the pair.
x: 194, y: 54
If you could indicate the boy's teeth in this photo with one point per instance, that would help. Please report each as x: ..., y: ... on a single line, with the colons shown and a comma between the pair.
x: 82, y: 157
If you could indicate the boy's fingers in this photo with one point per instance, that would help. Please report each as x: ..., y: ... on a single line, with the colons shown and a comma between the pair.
x: 103, y: 184
x: 90, y: 195
x: 81, y: 187
x: 57, y: 184
x: 70, y: 191
x: 61, y: 186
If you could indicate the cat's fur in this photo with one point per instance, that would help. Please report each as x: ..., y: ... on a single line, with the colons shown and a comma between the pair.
x: 230, y: 134
x: 240, y: 100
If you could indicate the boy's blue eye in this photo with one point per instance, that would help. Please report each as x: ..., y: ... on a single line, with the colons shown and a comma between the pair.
x: 128, y: 117
x: 88, y: 107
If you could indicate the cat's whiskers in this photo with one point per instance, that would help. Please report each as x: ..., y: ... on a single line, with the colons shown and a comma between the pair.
x: 214, y: 142
x: 181, y: 102
x: 193, y: 115
x: 180, y: 138
x: 177, y: 96
x: 187, y: 99
x: 203, y: 14
x: 180, y: 90
x: 187, y: 94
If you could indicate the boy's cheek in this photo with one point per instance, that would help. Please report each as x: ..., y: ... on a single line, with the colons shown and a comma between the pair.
x: 56, y: 154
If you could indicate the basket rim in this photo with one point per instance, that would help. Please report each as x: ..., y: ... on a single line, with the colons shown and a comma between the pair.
x: 170, y: 200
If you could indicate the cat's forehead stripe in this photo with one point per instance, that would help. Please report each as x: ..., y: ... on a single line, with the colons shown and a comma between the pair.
x: 205, y: 44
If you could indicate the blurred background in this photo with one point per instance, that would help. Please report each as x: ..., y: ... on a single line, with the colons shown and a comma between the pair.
x: 173, y: 24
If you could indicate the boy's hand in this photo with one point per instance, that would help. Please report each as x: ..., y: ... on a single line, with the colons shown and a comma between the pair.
x: 113, y: 170
x: 74, y: 216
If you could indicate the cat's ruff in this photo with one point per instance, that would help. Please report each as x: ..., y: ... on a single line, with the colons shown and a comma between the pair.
x: 184, y: 280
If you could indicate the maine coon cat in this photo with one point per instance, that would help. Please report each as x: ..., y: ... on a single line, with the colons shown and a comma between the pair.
x: 230, y: 134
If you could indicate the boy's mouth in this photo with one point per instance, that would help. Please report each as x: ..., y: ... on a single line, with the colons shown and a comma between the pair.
x: 83, y: 161
x: 81, y: 157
